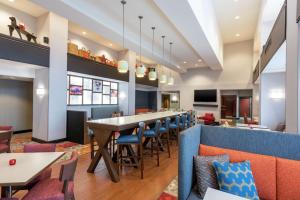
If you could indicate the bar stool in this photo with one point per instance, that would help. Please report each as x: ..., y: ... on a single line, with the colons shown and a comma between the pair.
x: 182, y: 122
x: 165, y: 129
x: 174, y: 128
x: 188, y: 120
x: 154, y: 134
x: 128, y: 140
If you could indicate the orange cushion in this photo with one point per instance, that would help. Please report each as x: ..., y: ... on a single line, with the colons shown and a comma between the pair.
x: 288, y: 179
x: 263, y: 168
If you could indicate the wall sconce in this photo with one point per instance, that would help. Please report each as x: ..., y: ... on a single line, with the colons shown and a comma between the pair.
x: 277, y: 94
x: 40, y: 92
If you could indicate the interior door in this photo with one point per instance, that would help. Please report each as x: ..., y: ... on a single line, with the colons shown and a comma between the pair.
x: 245, y: 106
x: 165, y: 100
x: 228, y: 108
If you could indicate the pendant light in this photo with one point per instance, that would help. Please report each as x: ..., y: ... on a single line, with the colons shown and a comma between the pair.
x: 163, y: 77
x: 123, y: 64
x: 152, y: 72
x: 170, y: 79
x: 140, y: 70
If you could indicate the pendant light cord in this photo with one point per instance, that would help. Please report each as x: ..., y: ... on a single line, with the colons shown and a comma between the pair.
x: 123, y: 3
x: 153, y: 29
x: 163, y: 40
x: 140, y: 17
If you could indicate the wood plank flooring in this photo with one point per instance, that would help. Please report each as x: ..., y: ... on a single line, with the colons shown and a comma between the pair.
x: 131, y: 187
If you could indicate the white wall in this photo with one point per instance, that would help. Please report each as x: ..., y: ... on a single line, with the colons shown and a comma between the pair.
x: 16, y: 104
x: 272, y: 110
x: 237, y: 74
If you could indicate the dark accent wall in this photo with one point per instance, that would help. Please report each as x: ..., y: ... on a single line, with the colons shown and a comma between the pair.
x: 146, y: 99
x: 90, y: 67
x: 18, y: 50
x: 145, y: 81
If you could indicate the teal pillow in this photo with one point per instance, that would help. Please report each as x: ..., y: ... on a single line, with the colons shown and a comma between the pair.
x: 236, y: 178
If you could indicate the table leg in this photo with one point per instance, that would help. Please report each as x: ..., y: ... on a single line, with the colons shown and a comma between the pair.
x: 102, y: 137
x: 6, y: 192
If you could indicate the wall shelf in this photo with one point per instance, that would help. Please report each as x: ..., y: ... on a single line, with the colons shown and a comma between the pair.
x: 91, y: 67
x: 205, y: 105
x: 19, y: 50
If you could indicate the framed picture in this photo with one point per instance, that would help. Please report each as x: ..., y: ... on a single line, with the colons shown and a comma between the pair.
x: 75, y: 90
x: 97, y: 86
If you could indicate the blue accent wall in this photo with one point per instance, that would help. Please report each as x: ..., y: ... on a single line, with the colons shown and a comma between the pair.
x: 146, y: 99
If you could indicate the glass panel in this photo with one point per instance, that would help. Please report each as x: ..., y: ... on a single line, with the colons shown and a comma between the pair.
x: 74, y: 80
x: 97, y: 98
x: 87, y: 97
x: 114, y: 100
x: 114, y: 93
x: 97, y: 86
x: 106, y: 89
x: 75, y: 99
x: 106, y: 83
x: 114, y: 86
x: 106, y: 99
x: 87, y: 84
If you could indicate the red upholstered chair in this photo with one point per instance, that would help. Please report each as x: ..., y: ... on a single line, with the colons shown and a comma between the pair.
x: 46, y: 174
x: 5, y: 139
x: 208, y: 118
x: 61, y: 188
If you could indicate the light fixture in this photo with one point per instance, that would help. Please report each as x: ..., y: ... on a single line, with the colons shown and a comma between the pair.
x: 199, y: 60
x: 237, y: 35
x: 184, y: 62
x: 110, y: 44
x: 277, y: 94
x: 83, y: 33
x: 40, y: 92
x: 237, y: 17
x: 171, y: 79
x: 123, y: 64
x: 11, y: 0
x: 236, y: 0
x: 140, y: 70
x: 163, y: 77
x: 152, y: 71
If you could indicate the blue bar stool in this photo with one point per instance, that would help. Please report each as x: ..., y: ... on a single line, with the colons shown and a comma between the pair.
x: 182, y: 122
x: 188, y: 120
x: 128, y: 140
x: 154, y: 134
x: 174, y: 128
x: 165, y: 129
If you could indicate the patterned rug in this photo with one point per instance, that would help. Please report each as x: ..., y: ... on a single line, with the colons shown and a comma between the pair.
x: 170, y: 193
x: 19, y: 140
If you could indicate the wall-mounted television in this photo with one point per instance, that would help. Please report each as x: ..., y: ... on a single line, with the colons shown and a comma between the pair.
x: 205, y: 96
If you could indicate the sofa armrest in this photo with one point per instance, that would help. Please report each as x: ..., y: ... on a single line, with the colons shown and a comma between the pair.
x: 188, y: 147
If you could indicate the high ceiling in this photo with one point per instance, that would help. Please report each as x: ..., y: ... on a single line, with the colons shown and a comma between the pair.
x: 237, y: 19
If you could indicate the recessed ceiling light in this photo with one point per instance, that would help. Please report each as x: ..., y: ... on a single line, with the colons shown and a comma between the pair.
x: 110, y: 44
x: 199, y: 60
x: 184, y: 62
x: 11, y: 0
x: 178, y: 66
x: 83, y: 33
x: 236, y: 0
x: 237, y: 35
x: 237, y: 17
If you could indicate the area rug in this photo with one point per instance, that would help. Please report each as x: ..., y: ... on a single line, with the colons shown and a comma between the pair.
x: 171, y: 192
x: 18, y: 141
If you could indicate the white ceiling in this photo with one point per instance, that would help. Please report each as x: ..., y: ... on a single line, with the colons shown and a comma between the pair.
x: 26, y: 6
x: 247, y: 10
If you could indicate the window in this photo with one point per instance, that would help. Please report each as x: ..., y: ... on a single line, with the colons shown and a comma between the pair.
x: 88, y: 91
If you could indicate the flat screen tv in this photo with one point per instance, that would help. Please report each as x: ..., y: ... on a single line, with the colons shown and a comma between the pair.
x: 205, y: 96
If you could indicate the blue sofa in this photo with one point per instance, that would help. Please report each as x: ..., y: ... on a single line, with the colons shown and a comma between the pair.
x: 283, y: 145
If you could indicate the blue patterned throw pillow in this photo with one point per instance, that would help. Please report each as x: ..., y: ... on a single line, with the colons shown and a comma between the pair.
x: 236, y: 178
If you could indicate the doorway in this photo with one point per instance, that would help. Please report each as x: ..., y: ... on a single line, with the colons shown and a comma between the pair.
x: 170, y: 100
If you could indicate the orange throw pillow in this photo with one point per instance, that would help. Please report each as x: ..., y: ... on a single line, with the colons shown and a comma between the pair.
x: 263, y: 168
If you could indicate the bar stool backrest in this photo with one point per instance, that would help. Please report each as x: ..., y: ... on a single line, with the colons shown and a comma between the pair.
x: 177, y: 118
x: 141, y: 130
x: 157, y: 126
x: 168, y: 120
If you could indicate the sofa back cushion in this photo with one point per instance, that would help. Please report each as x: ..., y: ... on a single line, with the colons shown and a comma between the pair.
x: 288, y: 179
x: 263, y: 168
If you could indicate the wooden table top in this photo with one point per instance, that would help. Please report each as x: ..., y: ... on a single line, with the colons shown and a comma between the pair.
x: 121, y: 123
x: 27, y: 167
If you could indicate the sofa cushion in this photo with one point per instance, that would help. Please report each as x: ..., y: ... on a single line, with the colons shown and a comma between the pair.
x: 263, y: 168
x: 205, y: 172
x: 288, y: 179
x: 236, y: 178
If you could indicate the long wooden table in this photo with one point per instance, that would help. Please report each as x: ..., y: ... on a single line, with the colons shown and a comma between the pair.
x: 103, y: 129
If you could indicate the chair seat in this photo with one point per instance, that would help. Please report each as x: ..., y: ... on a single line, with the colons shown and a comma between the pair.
x: 163, y: 130
x: 149, y: 133
x: 173, y: 126
x: 128, y: 139
x: 4, y: 147
x: 49, y: 189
